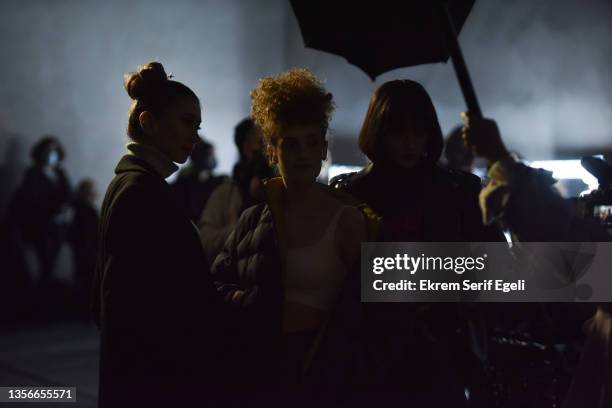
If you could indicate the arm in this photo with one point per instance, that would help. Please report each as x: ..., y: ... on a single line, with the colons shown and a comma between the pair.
x: 153, y: 256
x: 521, y: 197
x: 474, y: 229
x: 228, y: 268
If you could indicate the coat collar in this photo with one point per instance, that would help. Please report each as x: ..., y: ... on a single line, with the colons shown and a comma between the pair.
x: 132, y: 163
x: 155, y: 159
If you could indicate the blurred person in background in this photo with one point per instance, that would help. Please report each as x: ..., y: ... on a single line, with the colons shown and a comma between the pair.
x: 83, y: 236
x: 234, y: 195
x: 43, y: 205
x: 196, y: 181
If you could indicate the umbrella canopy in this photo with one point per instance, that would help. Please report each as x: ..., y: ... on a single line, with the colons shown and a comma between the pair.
x: 384, y: 35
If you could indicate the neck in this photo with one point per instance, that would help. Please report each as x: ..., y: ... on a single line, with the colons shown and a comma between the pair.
x: 301, y: 195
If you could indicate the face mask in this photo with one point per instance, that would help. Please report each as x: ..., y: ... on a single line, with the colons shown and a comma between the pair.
x: 53, y: 158
x: 210, y: 164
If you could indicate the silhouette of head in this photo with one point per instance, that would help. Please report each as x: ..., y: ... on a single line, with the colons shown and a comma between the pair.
x: 165, y: 113
x: 203, y: 156
x: 293, y: 110
x: 48, y: 151
x: 401, y: 126
x: 248, y: 139
x: 86, y: 191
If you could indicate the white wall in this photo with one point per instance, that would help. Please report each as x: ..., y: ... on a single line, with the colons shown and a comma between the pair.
x: 541, y: 68
x: 63, y: 63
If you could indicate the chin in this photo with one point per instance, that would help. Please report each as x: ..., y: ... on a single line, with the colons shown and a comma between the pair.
x: 180, y: 158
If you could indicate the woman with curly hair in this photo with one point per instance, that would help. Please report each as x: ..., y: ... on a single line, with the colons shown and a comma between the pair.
x: 288, y: 260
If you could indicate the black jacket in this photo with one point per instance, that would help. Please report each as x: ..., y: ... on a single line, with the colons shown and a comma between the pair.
x: 446, y: 201
x: 443, y: 204
x: 159, y: 316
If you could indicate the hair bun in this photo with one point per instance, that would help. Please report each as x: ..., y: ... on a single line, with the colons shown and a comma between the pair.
x: 148, y: 78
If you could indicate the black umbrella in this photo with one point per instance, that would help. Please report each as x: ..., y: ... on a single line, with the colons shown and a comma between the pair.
x: 384, y: 35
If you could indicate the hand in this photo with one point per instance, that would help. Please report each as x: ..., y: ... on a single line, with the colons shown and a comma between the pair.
x: 483, y: 138
x: 600, y: 325
x: 237, y: 296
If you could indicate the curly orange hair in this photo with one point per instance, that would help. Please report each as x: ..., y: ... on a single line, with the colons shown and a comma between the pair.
x: 295, y: 97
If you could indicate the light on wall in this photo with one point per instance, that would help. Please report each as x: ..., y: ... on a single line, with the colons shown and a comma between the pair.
x: 561, y: 169
x: 567, y: 169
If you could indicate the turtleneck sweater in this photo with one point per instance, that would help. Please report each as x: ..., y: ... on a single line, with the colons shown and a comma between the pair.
x: 153, y: 157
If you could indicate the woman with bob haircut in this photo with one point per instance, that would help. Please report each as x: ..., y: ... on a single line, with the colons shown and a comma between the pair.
x: 420, y: 200
x: 290, y: 260
x: 155, y: 305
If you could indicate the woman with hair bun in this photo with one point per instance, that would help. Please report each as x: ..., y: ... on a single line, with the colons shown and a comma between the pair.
x: 153, y: 300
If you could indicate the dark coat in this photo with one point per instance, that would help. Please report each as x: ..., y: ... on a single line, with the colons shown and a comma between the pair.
x: 440, y: 205
x: 83, y: 236
x: 158, y: 313
x: 41, y: 200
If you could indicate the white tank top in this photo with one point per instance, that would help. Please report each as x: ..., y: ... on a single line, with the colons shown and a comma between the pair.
x: 315, y: 273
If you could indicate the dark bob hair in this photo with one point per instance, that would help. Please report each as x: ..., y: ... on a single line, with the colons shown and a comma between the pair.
x: 394, y: 104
